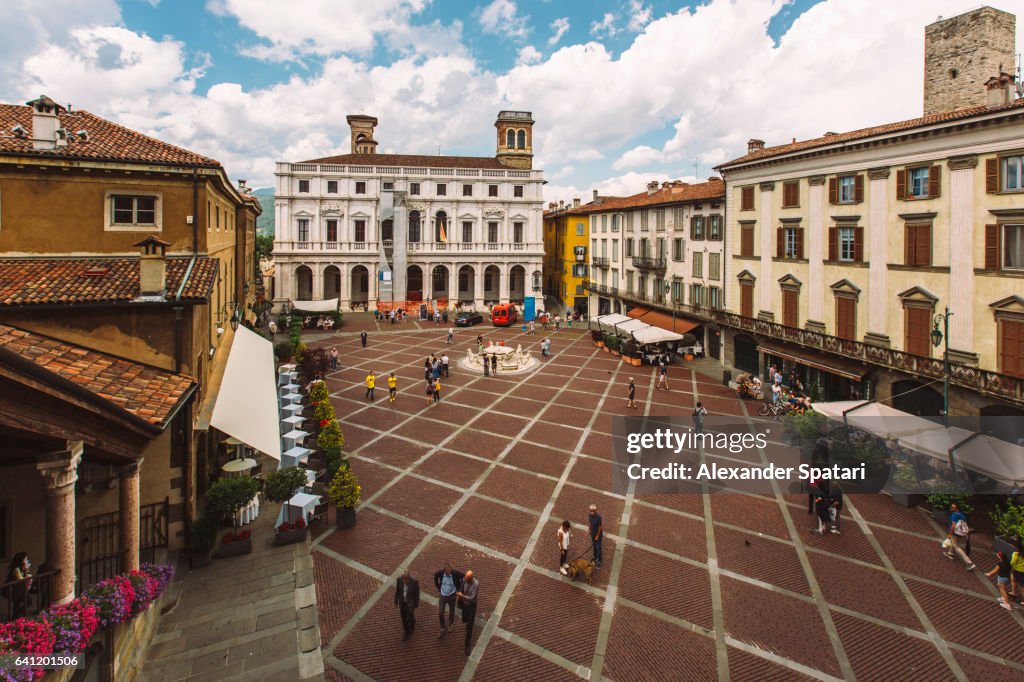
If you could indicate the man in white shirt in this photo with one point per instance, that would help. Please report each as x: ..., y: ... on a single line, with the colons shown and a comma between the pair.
x: 444, y: 365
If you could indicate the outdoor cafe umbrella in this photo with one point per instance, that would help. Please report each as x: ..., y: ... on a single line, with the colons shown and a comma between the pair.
x: 876, y: 418
x: 983, y: 454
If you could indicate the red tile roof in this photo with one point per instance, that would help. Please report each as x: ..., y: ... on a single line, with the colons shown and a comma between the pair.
x: 675, y: 193
x: 863, y: 133
x: 149, y: 393
x: 107, y: 141
x: 413, y: 161
x: 63, y: 281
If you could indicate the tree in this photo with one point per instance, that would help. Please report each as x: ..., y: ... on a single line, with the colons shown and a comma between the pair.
x: 264, y: 246
x: 282, y: 484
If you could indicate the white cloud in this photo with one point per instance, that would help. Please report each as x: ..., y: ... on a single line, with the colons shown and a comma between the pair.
x: 560, y: 26
x: 637, y: 157
x: 639, y: 15
x: 529, y: 55
x: 502, y: 17
x: 605, y: 27
x: 319, y: 27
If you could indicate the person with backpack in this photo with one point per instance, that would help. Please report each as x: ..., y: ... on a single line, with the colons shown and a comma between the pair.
x: 699, y: 413
x: 957, y: 535
x: 430, y: 390
x: 1003, y: 573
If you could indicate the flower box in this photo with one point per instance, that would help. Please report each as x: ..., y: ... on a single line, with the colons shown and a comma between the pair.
x: 235, y: 545
x: 346, y: 518
x: 290, y: 533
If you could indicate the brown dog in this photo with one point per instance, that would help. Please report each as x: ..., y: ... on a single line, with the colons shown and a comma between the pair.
x: 581, y: 566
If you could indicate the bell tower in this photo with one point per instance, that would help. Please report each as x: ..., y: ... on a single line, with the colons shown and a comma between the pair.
x: 515, y: 139
x: 362, y: 133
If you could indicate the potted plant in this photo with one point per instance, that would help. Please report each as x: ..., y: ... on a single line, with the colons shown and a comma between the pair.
x: 330, y: 435
x: 607, y: 342
x: 201, y: 541
x: 614, y: 344
x: 1007, y: 527
x: 631, y: 352
x: 688, y: 341
x: 344, y: 493
x: 597, y: 338
x: 280, y: 486
x: 283, y: 351
x: 944, y: 494
x: 314, y: 364
x: 904, y: 480
x: 225, y: 498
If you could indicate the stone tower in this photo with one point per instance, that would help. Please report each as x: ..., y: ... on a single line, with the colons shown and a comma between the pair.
x: 362, y: 133
x: 515, y: 139
x: 961, y: 53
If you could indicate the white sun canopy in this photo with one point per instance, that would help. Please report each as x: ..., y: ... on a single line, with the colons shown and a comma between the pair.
x: 330, y: 305
x: 876, y: 418
x: 611, y: 319
x: 246, y: 407
x: 655, y: 335
x: 983, y: 454
x: 631, y: 327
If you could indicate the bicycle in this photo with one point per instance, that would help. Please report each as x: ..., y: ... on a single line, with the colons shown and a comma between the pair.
x: 774, y: 410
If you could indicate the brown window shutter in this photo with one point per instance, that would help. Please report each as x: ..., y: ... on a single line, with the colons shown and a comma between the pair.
x: 693, y: 228
x: 992, y: 175
x: 1011, y: 347
x: 923, y: 244
x: 908, y: 245
x: 747, y: 240
x: 858, y: 187
x: 790, y: 301
x: 858, y: 244
x: 992, y: 247
x: 780, y: 243
x: 901, y: 184
x: 747, y: 300
x: 833, y: 190
x: 917, y: 333
x: 800, y: 242
x: 747, y: 199
x: 934, y: 181
x: 833, y: 244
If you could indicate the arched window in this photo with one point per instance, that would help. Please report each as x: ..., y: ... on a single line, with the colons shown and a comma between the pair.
x: 441, y: 227
x: 510, y: 139
x: 522, y: 139
x: 414, y: 226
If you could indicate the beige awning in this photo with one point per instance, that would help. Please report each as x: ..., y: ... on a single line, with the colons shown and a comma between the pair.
x: 246, y: 407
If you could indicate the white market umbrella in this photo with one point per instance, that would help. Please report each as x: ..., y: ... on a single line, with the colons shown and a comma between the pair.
x: 986, y: 455
x: 876, y: 418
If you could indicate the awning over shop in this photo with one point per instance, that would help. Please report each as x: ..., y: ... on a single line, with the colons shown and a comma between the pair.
x: 246, y: 407
x: 838, y: 366
x: 651, y: 334
x: 328, y: 306
x: 656, y: 318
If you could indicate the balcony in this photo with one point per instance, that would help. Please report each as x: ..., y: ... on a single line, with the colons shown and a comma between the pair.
x: 650, y: 263
x: 600, y: 262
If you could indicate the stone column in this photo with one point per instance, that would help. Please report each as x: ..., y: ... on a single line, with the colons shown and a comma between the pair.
x: 478, y: 285
x: 816, y: 236
x: 961, y: 261
x: 60, y: 471
x: 128, y: 506
x: 345, y: 287
x: 766, y: 290
x: 503, y: 289
x: 453, y: 283
x: 878, y: 294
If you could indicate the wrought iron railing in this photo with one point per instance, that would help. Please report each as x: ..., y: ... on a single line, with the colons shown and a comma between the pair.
x: 650, y: 263
x: 600, y: 262
x: 99, y: 552
x: 28, y: 596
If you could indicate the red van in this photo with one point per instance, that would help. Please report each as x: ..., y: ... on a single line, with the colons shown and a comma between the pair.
x: 504, y: 315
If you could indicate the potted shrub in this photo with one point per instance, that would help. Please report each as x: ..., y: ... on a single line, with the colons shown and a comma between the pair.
x: 201, y: 541
x: 597, y: 338
x: 944, y: 494
x: 631, y: 352
x: 225, y: 498
x: 606, y: 342
x: 283, y: 351
x: 318, y: 393
x: 1007, y: 527
x: 614, y: 344
x: 344, y: 493
x: 688, y: 341
x: 280, y: 486
x: 903, y: 480
x: 330, y: 435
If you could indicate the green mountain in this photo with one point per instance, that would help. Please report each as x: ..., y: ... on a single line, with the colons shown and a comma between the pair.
x: 265, y: 223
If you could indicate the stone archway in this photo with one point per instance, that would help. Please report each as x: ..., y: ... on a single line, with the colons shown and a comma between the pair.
x: 492, y: 283
x: 517, y: 284
x: 303, y: 283
x: 332, y: 282
x: 467, y: 284
x: 359, y: 290
x: 414, y: 283
x: 439, y: 282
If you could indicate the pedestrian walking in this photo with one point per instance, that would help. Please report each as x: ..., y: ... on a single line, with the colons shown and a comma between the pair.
x: 837, y: 508
x: 437, y: 390
x: 430, y: 390
x: 273, y: 329
x: 822, y: 506
x: 632, y: 394
x: 1017, y: 578
x: 448, y: 582
x: 594, y: 522
x: 699, y: 414
x: 494, y: 364
x: 451, y: 335
x: 407, y: 598
x: 487, y: 366
x: 467, y: 597
x: 545, y: 348
x: 334, y: 357
x: 392, y: 387
x: 957, y: 535
x: 362, y: 337
x: 371, y: 382
x: 662, y: 373
x: 1003, y: 574
x: 445, y: 363
x: 533, y: 327
x: 563, y: 546
x: 558, y: 321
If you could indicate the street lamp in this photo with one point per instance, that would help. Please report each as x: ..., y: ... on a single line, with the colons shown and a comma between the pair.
x: 671, y: 303
x: 937, y: 338
x: 234, y: 320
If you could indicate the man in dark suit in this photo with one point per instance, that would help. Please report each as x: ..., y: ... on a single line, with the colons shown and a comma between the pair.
x: 407, y: 598
x: 448, y: 581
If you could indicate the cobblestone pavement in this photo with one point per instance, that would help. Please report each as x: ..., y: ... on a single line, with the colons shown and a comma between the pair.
x: 692, y: 587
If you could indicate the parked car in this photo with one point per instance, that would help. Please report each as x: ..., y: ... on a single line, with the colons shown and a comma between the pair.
x: 468, y: 319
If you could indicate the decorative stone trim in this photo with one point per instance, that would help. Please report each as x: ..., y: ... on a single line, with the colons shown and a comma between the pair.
x: 965, y: 162
x: 880, y: 340
x: 60, y: 469
x: 878, y: 173
x: 815, y: 180
x: 845, y: 218
x: 815, y: 326
x: 766, y: 315
x: 790, y: 221
x: 966, y: 357
x: 924, y: 215
x: 767, y: 186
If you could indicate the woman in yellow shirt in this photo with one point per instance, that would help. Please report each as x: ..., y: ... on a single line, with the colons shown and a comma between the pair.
x: 371, y: 382
x: 392, y: 387
x: 437, y: 390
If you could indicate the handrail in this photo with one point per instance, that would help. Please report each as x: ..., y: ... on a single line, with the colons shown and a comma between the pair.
x: 28, y: 596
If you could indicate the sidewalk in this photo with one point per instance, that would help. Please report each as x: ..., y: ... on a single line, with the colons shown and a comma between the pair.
x: 243, y: 618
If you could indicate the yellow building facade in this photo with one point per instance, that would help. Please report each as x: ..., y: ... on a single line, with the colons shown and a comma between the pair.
x: 566, y: 235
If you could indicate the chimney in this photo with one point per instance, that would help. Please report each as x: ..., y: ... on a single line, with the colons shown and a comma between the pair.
x: 754, y: 145
x: 45, y: 123
x: 152, y: 268
x: 552, y: 205
x: 652, y: 187
x: 595, y: 195
x: 561, y: 204
x: 999, y: 91
x: 576, y: 202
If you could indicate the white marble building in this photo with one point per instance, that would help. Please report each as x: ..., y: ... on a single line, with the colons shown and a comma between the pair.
x: 368, y: 228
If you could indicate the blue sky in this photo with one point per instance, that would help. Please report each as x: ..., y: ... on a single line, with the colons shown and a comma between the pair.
x: 623, y: 91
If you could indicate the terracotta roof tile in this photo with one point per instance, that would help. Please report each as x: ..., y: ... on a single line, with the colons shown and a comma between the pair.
x: 107, y: 141
x: 413, y: 161
x: 147, y: 392
x: 923, y: 121
x: 713, y: 189
x: 43, y: 281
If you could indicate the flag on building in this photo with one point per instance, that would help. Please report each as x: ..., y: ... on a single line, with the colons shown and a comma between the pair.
x: 443, y: 234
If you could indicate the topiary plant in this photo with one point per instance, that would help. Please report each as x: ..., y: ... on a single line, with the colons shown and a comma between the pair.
x: 330, y: 436
x: 282, y: 484
x: 283, y: 350
x: 203, y: 536
x: 318, y: 392
x: 323, y: 409
x: 228, y: 495
x: 344, y: 492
